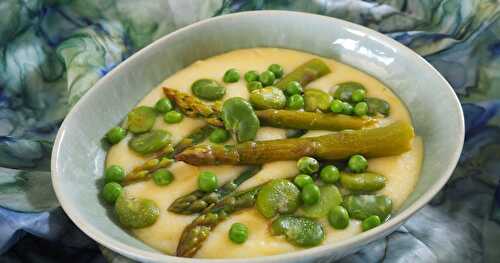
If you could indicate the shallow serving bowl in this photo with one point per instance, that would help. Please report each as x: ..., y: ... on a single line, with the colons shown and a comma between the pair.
x: 78, y: 155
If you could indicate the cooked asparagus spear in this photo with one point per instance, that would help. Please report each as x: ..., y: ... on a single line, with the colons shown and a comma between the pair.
x: 143, y: 171
x: 197, y: 136
x: 377, y: 142
x: 312, y: 120
x: 198, y: 200
x: 193, y: 107
x: 305, y: 73
x: 197, y: 232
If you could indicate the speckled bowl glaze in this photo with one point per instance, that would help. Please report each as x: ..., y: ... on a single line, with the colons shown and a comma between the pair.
x: 78, y: 154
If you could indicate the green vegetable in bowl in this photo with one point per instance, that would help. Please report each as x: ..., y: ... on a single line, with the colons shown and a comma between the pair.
x: 295, y: 102
x: 310, y: 194
x: 329, y: 197
x: 307, y: 165
x: 329, y: 174
x: 162, y: 177
x: 208, y: 89
x: 364, y: 182
x: 337, y: 106
x: 316, y: 100
x: 300, y: 231
x: 231, y: 76
x: 302, y: 180
x: 150, y: 142
x: 238, y: 233
x: 278, y: 197
x: 267, y: 78
x: 370, y: 222
x: 363, y: 206
x: 293, y: 87
x: 344, y: 91
x: 111, y: 192
x: 360, y: 109
x: 357, y: 163
x: 348, y: 109
x: 136, y: 212
x: 268, y: 98
x: 219, y: 135
x: 163, y: 105
x: 254, y: 85
x: 173, y: 117
x: 277, y: 70
x: 115, y: 135
x: 207, y: 181
x: 376, y: 105
x: 251, y: 75
x: 240, y: 119
x: 358, y: 95
x: 305, y: 73
x: 114, y: 173
x: 338, y: 217
x: 141, y: 119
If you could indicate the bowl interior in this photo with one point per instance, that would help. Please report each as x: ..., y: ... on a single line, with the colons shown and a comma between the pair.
x: 78, y: 157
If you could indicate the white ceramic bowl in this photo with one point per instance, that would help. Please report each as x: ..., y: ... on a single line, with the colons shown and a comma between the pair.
x: 78, y: 156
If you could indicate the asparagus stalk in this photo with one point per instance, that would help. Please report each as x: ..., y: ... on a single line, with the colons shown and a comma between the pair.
x: 198, y: 200
x: 197, y: 136
x: 305, y: 73
x: 377, y: 142
x: 143, y: 171
x: 312, y: 120
x: 193, y: 107
x: 197, y: 232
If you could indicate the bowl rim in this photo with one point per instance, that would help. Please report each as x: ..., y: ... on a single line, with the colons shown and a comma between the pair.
x: 362, y: 238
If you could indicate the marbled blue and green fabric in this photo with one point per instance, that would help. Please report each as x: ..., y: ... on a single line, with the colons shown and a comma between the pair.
x: 53, y: 51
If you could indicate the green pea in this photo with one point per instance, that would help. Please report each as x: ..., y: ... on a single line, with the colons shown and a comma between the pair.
x: 162, y: 177
x: 238, y: 233
x: 337, y: 106
x: 316, y: 100
x: 310, y: 194
x: 115, y: 135
x: 370, y: 222
x: 207, y: 181
x: 219, y: 136
x: 251, y: 75
x: 295, y: 102
x: 361, y: 108
x: 173, y: 117
x: 348, y: 108
x: 136, y: 212
x: 307, y: 165
x: 302, y: 179
x: 150, y: 142
x: 329, y: 174
x: 278, y: 196
x: 362, y: 181
x: 329, y: 197
x: 338, y: 217
x: 208, y: 89
x: 240, y: 119
x: 111, y: 192
x: 268, y: 98
x: 345, y: 90
x: 253, y: 85
x: 231, y: 76
x: 114, y: 173
x: 376, y: 105
x: 357, y: 163
x: 358, y: 95
x: 293, y: 87
x: 277, y: 70
x: 141, y: 119
x: 363, y: 206
x: 299, y: 231
x: 163, y: 105
x: 267, y: 78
